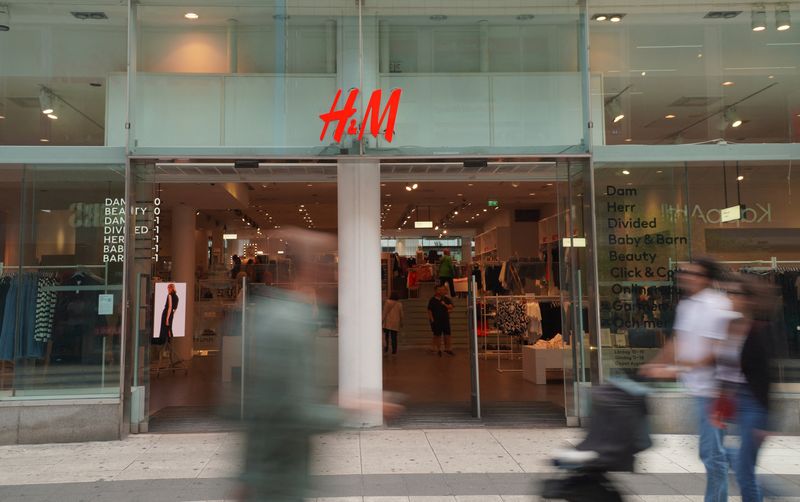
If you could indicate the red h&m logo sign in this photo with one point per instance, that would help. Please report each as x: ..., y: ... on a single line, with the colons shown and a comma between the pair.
x: 373, y: 116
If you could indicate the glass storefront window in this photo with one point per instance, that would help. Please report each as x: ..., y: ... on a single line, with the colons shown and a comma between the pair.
x: 256, y: 75
x: 651, y: 218
x: 58, y: 57
x: 478, y: 77
x: 697, y: 72
x: 61, y: 284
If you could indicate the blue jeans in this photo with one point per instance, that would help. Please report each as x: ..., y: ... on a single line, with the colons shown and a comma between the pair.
x: 751, y: 417
x: 712, y: 453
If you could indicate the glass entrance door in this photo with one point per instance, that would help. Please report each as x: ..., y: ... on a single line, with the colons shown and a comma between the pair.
x: 576, y: 285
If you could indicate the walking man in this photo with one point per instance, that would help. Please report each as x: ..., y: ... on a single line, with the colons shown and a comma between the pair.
x: 447, y: 272
x: 439, y: 308
x: 702, y: 318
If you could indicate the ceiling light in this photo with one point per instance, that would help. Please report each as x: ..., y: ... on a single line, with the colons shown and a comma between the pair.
x: 758, y: 18
x: 2, y: 117
x: 444, y: 231
x: 46, y: 101
x: 515, y: 185
x: 470, y: 184
x: 615, y: 18
x: 436, y: 227
x: 484, y: 210
x: 628, y: 139
x: 455, y: 212
x: 191, y: 15
x: 52, y: 116
x: 44, y: 140
x: 414, y: 186
x: 644, y: 73
x: 739, y: 178
x: 727, y: 83
x: 408, y: 188
x: 626, y: 172
x: 669, y: 116
x: 731, y: 117
x: 549, y: 184
x: 782, y: 18
x: 460, y: 194
x: 600, y: 17
x: 614, y: 110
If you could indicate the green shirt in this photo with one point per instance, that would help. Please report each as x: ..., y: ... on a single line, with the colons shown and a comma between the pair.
x: 446, y: 267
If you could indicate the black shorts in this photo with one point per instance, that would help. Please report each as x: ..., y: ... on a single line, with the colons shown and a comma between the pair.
x: 440, y: 329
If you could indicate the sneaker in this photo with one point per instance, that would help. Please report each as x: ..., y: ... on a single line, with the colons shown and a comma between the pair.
x: 450, y: 352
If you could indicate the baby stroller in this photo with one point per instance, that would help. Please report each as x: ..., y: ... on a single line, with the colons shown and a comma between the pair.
x: 617, y: 432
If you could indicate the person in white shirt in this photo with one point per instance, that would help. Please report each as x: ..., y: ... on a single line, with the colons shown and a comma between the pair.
x: 702, y: 317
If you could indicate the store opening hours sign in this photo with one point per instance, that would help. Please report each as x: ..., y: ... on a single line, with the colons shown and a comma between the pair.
x: 373, y: 115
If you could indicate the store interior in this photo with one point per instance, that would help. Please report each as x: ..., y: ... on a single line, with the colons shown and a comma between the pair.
x: 488, y: 227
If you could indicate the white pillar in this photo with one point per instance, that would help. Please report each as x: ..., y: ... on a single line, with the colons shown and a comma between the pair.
x: 183, y: 268
x: 466, y: 248
x: 360, y: 361
x: 484, y: 45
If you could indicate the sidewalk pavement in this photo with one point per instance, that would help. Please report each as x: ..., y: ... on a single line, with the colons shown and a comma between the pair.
x: 464, y: 465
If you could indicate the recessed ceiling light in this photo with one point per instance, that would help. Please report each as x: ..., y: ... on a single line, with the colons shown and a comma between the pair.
x: 659, y: 171
x: 740, y: 178
x: 2, y: 117
x: 727, y: 83
x: 388, y: 195
x: 191, y: 15
x: 628, y: 139
x: 625, y: 172
x: 771, y: 76
x: 515, y: 185
x: 460, y: 194
x: 52, y: 116
x: 549, y: 184
x: 644, y: 73
x: 615, y: 18
x: 699, y: 55
x: 44, y: 140
x: 531, y: 194
x: 383, y: 184
x: 669, y: 116
x: 600, y: 17
x: 470, y: 184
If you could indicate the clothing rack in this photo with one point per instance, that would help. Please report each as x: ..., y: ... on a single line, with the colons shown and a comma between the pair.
x: 773, y: 262
x: 509, y: 353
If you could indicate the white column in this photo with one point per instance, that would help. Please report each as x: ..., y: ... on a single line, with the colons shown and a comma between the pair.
x: 466, y: 248
x: 360, y: 361
x: 183, y: 268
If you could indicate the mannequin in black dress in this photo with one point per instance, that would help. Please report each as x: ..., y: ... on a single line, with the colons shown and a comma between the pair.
x: 168, y: 314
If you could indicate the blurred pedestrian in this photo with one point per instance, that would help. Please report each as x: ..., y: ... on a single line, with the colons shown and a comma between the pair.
x: 285, y: 403
x: 702, y: 317
x: 393, y: 318
x: 743, y: 370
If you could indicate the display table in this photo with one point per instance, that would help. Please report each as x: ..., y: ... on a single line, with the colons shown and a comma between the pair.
x: 536, y: 362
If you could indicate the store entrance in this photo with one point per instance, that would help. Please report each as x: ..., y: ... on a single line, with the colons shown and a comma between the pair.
x: 215, y: 234
x: 505, y: 233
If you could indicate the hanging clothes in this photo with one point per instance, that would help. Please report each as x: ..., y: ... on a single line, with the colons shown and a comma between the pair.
x: 45, y: 308
x: 534, y: 313
x: 511, y: 318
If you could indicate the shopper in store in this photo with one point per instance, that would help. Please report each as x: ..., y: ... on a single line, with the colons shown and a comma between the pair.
x: 439, y: 308
x: 702, y: 319
x: 392, y: 321
x: 447, y: 272
x: 237, y: 266
x: 250, y: 270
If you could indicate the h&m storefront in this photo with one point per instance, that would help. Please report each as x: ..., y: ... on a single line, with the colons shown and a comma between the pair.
x: 172, y: 134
